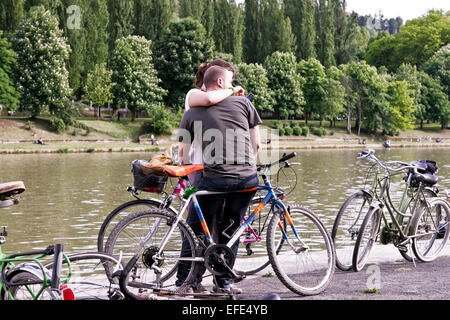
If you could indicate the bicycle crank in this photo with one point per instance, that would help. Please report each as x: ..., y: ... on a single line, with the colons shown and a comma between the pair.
x: 219, y: 260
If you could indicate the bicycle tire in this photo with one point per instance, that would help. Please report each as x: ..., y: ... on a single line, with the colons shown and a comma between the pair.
x: 427, y: 225
x: 346, y: 227
x: 318, y: 255
x: 128, y: 235
x: 407, y: 255
x: 122, y: 211
x: 89, y: 280
x: 252, y: 256
x: 23, y: 292
x: 371, y: 224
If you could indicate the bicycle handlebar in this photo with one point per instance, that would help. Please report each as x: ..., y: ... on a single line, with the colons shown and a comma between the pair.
x: 284, y: 158
x: 370, y: 156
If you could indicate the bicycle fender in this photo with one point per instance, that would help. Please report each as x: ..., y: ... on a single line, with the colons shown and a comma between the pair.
x: 31, y: 268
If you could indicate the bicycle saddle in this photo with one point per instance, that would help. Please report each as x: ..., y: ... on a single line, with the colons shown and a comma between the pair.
x: 427, y: 178
x: 182, y: 171
x: 11, y: 188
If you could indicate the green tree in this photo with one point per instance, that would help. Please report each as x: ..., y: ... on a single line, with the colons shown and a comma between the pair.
x: 9, y: 96
x: 11, y: 11
x: 208, y: 17
x: 410, y: 74
x: 360, y: 81
x: 277, y: 32
x: 333, y: 104
x: 420, y: 38
x: 136, y: 82
x: 438, y: 66
x: 313, y: 73
x: 121, y: 16
x: 183, y: 47
x: 151, y: 17
x: 191, y: 9
x: 325, y: 33
x: 302, y: 16
x: 95, y: 22
x: 267, y: 29
x: 99, y: 86
x: 76, y: 37
x: 382, y: 52
x: 229, y: 28
x: 417, y: 41
x: 40, y: 72
x: 401, y: 107
x: 286, y: 84
x: 253, y: 22
x: 434, y: 102
x: 253, y: 78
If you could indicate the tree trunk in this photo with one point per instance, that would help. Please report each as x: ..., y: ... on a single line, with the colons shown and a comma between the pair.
x: 359, y: 122
x: 349, y: 119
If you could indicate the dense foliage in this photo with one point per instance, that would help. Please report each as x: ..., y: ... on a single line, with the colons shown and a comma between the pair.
x: 303, y: 59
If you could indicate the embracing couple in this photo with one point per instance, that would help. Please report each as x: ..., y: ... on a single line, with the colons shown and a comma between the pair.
x: 220, y: 129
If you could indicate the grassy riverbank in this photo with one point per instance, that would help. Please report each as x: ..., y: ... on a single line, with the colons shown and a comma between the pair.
x: 18, y: 135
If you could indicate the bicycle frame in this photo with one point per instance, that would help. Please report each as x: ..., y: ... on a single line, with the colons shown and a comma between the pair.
x: 384, y: 200
x: 270, y: 197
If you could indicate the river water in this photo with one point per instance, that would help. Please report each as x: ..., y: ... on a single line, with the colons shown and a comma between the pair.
x: 68, y: 195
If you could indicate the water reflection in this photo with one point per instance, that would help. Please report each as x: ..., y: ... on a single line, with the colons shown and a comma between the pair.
x: 69, y: 195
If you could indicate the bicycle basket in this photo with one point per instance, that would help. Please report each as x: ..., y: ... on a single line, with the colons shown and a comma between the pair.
x: 147, y: 177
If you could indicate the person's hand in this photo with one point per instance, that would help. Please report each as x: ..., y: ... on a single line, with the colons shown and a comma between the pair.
x: 239, y: 91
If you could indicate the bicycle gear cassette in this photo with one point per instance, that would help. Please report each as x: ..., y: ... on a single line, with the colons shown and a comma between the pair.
x: 147, y: 257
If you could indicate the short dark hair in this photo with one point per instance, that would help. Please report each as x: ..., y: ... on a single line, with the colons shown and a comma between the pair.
x: 204, y: 67
x: 212, y: 75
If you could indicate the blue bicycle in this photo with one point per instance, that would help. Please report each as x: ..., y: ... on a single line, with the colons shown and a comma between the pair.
x: 299, y: 247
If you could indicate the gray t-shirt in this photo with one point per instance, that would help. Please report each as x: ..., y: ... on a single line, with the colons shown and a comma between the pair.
x: 223, y: 131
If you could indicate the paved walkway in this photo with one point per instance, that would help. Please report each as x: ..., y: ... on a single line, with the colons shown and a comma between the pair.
x: 396, y: 279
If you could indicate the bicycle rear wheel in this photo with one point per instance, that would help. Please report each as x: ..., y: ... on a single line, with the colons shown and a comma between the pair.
x: 366, y: 238
x: 142, y: 233
x: 430, y: 230
x: 88, y: 279
x: 346, y: 227
x: 305, y: 264
x: 28, y: 291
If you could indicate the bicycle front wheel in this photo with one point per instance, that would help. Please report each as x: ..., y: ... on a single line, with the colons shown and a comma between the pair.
x: 428, y: 193
x: 305, y: 263
x: 346, y: 227
x: 87, y: 276
x: 366, y: 238
x: 142, y: 233
x: 252, y: 252
x: 430, y: 230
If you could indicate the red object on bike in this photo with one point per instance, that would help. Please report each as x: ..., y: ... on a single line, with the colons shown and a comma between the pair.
x: 67, y: 292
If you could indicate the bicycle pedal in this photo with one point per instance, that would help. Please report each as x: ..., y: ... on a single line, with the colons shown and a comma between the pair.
x: 238, y: 279
x: 403, y: 249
